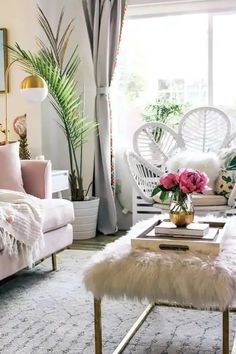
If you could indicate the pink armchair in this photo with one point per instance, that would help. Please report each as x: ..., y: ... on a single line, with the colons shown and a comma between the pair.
x: 58, y: 214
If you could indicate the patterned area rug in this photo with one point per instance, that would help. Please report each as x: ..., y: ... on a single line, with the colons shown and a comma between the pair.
x: 50, y: 312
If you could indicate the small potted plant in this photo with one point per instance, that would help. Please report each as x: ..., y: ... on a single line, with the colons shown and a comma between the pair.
x: 50, y: 63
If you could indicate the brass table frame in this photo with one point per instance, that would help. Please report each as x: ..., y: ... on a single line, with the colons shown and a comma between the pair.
x: 141, y: 319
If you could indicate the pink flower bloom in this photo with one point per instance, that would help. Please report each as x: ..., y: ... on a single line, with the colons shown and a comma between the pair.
x: 192, y: 180
x: 169, y: 180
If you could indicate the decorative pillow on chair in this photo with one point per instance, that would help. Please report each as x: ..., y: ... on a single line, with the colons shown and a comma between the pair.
x: 225, y: 182
x: 10, y: 168
x: 228, y: 157
x: 207, y: 162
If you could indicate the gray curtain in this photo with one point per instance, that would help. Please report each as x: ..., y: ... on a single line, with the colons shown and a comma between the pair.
x: 104, y: 22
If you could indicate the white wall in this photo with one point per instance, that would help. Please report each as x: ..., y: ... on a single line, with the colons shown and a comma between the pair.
x: 19, y: 18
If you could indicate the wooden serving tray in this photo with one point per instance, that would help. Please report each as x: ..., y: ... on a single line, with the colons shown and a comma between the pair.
x: 149, y: 241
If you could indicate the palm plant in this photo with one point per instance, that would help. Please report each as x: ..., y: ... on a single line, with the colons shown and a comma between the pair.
x: 50, y: 63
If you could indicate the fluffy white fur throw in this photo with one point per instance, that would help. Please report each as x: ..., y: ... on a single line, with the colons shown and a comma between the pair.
x: 203, y: 281
x: 20, y: 224
x: 207, y: 162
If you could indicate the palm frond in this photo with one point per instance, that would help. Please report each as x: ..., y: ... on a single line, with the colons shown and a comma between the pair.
x: 72, y: 64
x: 59, y: 25
x: 66, y: 35
x: 63, y: 43
x: 45, y: 25
x: 79, y: 130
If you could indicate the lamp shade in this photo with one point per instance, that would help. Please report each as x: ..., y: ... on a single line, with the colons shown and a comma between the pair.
x: 34, y: 88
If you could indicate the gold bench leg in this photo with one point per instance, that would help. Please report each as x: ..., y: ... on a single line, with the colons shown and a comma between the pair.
x: 125, y: 341
x: 98, y: 326
x: 128, y: 336
x: 225, y: 337
x: 54, y: 261
x: 139, y: 322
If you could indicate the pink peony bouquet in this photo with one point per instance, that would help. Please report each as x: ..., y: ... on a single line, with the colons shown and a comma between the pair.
x: 186, y: 180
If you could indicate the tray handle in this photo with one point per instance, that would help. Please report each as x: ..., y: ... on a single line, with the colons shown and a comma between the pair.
x: 172, y: 247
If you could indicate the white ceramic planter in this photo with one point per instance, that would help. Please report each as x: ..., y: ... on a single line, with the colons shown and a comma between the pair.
x: 85, y: 224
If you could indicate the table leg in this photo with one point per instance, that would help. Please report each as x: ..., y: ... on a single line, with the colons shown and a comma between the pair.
x: 225, y: 337
x: 125, y: 341
x: 54, y: 261
x: 98, y: 326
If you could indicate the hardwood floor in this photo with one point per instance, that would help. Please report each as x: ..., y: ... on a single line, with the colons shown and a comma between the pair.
x: 96, y: 243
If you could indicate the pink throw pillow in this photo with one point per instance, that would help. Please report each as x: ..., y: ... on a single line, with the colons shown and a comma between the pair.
x: 10, y: 168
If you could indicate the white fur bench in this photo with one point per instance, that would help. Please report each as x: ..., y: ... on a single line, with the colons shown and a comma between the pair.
x: 164, y: 278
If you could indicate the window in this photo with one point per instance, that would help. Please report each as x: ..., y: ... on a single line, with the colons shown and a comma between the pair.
x: 224, y: 59
x: 187, y: 58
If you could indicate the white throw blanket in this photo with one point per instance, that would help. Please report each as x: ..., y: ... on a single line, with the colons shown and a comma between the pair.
x: 20, y: 225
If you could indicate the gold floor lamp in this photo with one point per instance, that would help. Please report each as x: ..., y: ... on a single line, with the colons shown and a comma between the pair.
x: 33, y: 88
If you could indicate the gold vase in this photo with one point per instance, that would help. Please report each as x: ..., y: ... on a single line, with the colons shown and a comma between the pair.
x: 181, y: 209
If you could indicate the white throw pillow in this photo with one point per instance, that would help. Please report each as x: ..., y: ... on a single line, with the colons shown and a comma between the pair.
x: 10, y: 168
x: 207, y: 162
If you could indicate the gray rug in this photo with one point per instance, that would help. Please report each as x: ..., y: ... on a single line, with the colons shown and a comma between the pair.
x: 50, y: 312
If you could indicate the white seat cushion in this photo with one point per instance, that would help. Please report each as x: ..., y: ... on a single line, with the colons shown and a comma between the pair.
x: 56, y: 213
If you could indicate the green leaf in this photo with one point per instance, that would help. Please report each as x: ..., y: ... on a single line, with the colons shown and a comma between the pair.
x: 164, y: 196
x: 156, y: 190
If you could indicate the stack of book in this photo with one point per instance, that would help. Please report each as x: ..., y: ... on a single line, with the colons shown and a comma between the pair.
x: 205, y: 237
x: 191, y: 231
